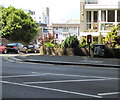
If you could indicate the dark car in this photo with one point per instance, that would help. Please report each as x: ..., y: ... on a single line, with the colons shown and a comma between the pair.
x: 3, y: 48
x: 33, y: 48
x: 16, y: 48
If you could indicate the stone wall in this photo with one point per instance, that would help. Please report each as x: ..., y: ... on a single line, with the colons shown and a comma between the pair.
x: 109, y: 53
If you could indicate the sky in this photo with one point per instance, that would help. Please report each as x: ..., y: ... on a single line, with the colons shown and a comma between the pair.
x: 60, y: 10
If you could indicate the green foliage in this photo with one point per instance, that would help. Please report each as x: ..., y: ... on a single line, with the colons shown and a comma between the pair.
x: 112, y: 39
x: 17, y: 25
x: 70, y: 42
x: 49, y: 44
x: 83, y: 42
x: 94, y: 42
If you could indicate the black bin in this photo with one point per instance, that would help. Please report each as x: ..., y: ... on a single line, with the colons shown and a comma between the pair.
x: 99, y: 50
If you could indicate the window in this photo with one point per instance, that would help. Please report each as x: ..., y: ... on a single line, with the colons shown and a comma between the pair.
x: 56, y: 28
x: 118, y: 15
x: 74, y: 28
x: 88, y: 26
x: 88, y: 16
x: 102, y: 26
x: 103, y: 15
x: 111, y: 15
x: 95, y: 26
x: 95, y: 16
x: 64, y: 29
x: 107, y: 26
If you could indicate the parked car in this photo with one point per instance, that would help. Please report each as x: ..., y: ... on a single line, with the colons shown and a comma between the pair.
x: 16, y: 48
x: 3, y: 48
x: 33, y: 48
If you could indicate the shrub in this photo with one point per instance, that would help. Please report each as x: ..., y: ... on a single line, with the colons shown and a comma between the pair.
x: 70, y: 42
x: 113, y: 39
x: 83, y: 42
x: 49, y: 44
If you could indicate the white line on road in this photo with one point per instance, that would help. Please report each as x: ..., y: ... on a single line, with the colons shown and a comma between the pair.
x: 75, y: 75
x: 22, y: 76
x: 52, y: 89
x: 42, y: 74
x: 64, y: 81
x: 111, y: 93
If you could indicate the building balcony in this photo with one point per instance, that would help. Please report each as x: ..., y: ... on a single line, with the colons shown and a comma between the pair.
x: 98, y: 6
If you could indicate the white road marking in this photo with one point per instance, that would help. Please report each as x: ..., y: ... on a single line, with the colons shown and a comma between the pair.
x: 42, y: 74
x: 64, y: 81
x: 76, y: 75
x: 22, y: 76
x: 52, y: 89
x: 111, y: 93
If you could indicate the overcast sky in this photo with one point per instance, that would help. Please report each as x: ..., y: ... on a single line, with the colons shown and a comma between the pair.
x: 59, y: 9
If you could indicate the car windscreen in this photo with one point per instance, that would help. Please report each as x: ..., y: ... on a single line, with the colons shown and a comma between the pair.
x: 12, y: 44
x: 36, y: 46
x: 30, y: 46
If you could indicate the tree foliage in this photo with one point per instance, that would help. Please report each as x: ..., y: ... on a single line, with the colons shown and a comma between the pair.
x: 17, y: 25
x: 70, y: 42
x: 83, y: 42
x: 113, y: 39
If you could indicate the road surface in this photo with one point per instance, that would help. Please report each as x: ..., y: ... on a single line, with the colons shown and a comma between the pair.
x: 33, y: 80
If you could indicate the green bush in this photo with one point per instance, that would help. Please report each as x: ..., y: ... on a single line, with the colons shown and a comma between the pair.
x: 70, y: 42
x: 91, y: 45
x: 83, y: 42
x: 49, y: 44
x: 113, y: 39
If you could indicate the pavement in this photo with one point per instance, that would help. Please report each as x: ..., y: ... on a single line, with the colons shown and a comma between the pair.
x: 69, y: 60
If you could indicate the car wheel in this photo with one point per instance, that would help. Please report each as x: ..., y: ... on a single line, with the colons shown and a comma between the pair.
x: 5, y: 51
x: 35, y: 51
x: 18, y: 51
x: 26, y: 51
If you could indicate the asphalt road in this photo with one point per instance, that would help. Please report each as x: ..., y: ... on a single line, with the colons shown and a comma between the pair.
x: 30, y: 80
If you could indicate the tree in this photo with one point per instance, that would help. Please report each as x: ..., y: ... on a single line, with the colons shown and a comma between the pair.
x: 17, y: 25
x: 113, y: 39
x: 70, y: 42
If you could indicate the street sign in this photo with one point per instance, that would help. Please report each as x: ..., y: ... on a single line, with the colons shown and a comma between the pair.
x: 89, y: 38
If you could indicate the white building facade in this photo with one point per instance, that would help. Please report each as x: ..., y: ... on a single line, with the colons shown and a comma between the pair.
x: 45, y: 16
x: 62, y: 31
x: 97, y: 17
x: 33, y: 14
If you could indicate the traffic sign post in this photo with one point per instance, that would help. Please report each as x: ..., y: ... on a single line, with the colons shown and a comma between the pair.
x: 89, y: 40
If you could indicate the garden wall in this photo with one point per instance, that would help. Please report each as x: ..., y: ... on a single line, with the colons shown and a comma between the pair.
x: 109, y: 53
x: 65, y: 51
